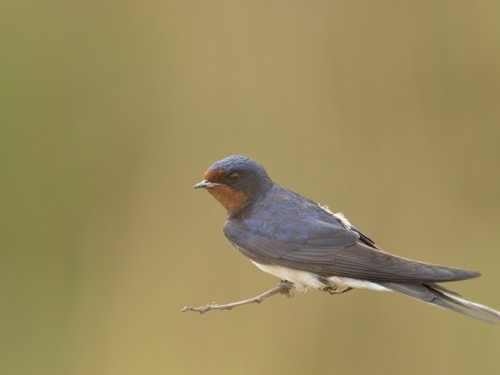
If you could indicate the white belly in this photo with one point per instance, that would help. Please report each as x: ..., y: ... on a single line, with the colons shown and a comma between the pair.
x: 304, y: 280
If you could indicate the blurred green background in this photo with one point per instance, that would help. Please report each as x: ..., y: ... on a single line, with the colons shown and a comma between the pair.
x: 388, y: 111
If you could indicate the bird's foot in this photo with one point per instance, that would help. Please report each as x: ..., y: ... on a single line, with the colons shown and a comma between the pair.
x: 334, y: 289
x: 286, y: 286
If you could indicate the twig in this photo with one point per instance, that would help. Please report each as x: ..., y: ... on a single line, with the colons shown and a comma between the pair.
x: 283, y: 287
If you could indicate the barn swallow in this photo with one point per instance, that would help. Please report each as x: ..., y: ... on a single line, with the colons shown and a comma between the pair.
x: 306, y: 244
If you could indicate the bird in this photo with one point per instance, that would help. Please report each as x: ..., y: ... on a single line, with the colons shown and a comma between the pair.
x: 306, y: 244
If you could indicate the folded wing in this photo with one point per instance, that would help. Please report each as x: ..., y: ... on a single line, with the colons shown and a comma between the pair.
x: 333, y: 250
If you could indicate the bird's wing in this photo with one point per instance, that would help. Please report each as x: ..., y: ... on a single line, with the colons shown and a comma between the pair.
x: 332, y: 250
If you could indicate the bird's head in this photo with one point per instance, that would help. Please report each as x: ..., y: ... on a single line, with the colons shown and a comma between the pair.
x: 235, y: 182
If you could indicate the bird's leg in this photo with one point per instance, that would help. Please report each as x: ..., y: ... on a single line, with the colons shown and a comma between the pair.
x: 332, y: 287
x: 335, y: 290
x: 283, y: 287
x: 286, y: 286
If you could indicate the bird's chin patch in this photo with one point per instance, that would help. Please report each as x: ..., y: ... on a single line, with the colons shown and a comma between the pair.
x: 231, y: 199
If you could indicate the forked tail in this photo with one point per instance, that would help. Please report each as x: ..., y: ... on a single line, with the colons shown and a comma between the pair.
x: 438, y: 295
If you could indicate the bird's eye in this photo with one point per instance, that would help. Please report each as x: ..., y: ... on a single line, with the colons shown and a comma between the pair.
x: 235, y: 176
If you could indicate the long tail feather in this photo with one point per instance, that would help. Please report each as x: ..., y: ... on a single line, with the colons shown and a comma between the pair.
x: 438, y: 295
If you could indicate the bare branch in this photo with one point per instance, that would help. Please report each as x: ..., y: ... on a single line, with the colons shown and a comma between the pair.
x: 283, y: 287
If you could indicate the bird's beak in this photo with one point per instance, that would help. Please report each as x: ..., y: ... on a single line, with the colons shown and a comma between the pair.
x: 205, y: 185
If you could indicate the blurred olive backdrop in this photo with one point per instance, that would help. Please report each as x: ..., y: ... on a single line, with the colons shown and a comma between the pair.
x: 388, y: 111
